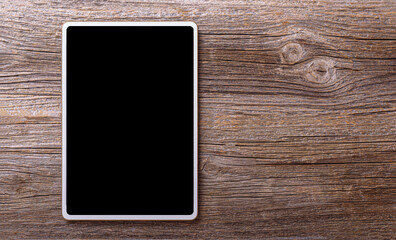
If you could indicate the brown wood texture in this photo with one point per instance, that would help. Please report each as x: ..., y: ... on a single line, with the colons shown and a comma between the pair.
x: 297, y: 119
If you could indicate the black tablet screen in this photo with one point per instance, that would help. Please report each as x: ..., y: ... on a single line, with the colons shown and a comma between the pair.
x: 129, y: 120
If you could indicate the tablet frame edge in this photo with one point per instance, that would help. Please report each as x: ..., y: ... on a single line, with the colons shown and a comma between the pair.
x: 64, y: 100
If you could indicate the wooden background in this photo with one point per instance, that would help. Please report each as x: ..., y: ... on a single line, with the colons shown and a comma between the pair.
x: 297, y: 118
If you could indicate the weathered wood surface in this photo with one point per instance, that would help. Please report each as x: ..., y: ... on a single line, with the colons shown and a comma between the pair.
x: 297, y: 118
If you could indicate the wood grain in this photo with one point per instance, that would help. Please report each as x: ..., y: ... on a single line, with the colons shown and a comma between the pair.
x: 297, y: 119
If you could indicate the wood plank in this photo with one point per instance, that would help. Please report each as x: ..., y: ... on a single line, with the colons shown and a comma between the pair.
x: 297, y: 118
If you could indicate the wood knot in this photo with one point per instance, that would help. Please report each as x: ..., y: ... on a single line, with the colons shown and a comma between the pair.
x: 320, y: 71
x: 292, y: 53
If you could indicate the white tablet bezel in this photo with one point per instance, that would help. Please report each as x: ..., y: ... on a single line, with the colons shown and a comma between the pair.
x: 129, y: 217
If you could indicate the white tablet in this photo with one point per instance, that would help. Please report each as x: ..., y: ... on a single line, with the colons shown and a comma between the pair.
x: 129, y: 121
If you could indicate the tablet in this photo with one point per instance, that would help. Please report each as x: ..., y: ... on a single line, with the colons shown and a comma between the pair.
x: 129, y: 121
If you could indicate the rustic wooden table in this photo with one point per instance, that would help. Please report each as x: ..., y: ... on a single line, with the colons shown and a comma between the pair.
x: 297, y: 118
